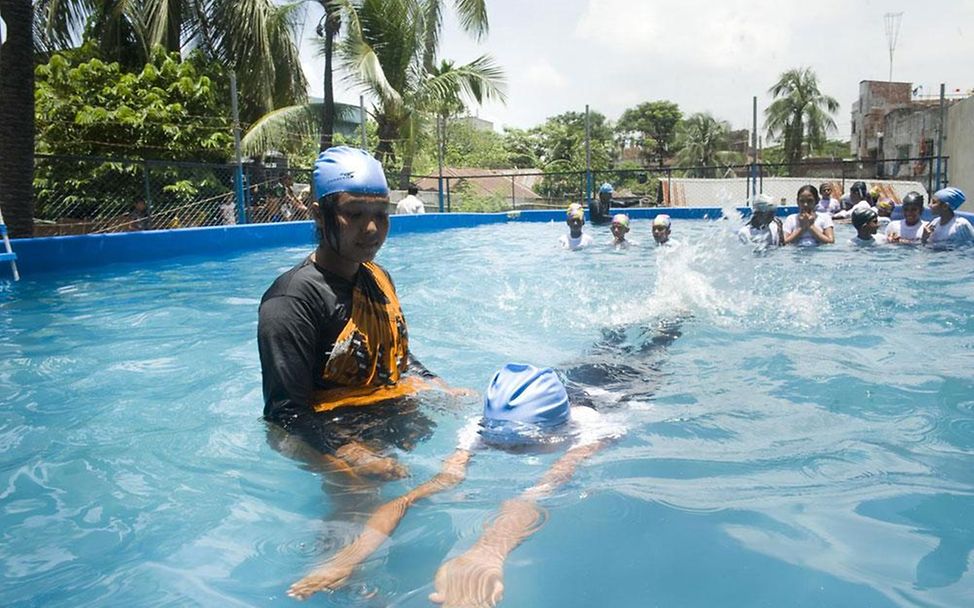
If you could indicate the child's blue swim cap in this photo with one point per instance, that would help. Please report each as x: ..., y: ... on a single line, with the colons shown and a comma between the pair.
x: 950, y: 196
x: 521, y: 394
x: 344, y: 169
x: 606, y: 187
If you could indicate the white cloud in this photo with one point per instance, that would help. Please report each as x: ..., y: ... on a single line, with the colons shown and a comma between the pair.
x: 543, y: 74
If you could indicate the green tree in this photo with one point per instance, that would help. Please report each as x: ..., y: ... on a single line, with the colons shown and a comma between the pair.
x: 385, y: 56
x: 561, y: 145
x: 800, y: 113
x: 16, y: 110
x: 169, y: 110
x: 702, y: 141
x: 651, y: 126
x: 253, y: 38
x: 467, y: 146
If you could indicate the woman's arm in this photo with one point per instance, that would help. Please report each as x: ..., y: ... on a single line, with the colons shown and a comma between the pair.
x: 379, y: 527
x: 476, y: 577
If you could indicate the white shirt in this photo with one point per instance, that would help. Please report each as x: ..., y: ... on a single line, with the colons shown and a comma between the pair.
x: 955, y: 232
x: 760, y: 237
x: 907, y: 233
x: 822, y: 220
x: 830, y: 205
x: 228, y: 214
x: 846, y: 214
x: 410, y: 205
x: 569, y: 242
x: 584, y: 427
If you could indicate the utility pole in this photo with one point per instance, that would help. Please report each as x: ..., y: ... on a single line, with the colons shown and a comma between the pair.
x: 238, y: 179
x: 892, y: 35
x: 940, y: 139
x: 588, y: 161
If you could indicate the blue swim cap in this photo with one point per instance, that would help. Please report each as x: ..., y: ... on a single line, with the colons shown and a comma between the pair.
x: 525, y: 395
x: 344, y: 169
x: 606, y: 187
x: 950, y: 196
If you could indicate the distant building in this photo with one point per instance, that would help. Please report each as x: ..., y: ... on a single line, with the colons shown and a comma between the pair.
x: 876, y: 100
x: 474, y: 122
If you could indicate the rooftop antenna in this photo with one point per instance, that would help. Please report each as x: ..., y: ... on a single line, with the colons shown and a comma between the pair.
x: 892, y: 35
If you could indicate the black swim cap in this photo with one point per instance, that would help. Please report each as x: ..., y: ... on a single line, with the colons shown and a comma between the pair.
x: 913, y: 198
x: 859, y: 187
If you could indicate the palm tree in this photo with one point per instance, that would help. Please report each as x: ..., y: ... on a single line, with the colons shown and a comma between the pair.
x: 16, y: 130
x: 385, y: 54
x: 702, y: 143
x: 473, y: 20
x: 800, y: 113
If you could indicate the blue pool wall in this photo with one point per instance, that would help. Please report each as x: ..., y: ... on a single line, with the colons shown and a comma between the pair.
x: 63, y: 253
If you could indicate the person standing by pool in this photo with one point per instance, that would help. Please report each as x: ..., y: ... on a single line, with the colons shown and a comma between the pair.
x: 909, y: 230
x: 866, y: 223
x: 620, y: 228
x: 598, y: 210
x: 332, y: 338
x: 763, y: 229
x: 947, y: 228
x: 410, y: 204
x: 576, y: 239
x: 807, y: 228
x: 662, y: 226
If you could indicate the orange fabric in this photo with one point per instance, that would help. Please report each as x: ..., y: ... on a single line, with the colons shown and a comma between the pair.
x: 371, y: 352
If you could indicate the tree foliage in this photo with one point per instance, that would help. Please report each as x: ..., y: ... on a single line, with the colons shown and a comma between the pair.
x: 703, y: 141
x: 651, y: 126
x: 800, y: 114
x: 169, y: 110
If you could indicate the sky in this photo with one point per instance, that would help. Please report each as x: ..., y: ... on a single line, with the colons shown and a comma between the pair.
x: 706, y: 56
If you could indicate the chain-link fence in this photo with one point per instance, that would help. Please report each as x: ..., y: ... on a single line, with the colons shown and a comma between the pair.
x: 78, y: 195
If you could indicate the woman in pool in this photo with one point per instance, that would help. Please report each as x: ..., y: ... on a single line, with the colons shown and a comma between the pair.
x: 807, y: 227
x: 947, y: 229
x: 909, y: 230
x: 334, y: 350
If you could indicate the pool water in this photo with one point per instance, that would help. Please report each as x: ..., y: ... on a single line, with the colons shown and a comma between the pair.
x: 808, y: 439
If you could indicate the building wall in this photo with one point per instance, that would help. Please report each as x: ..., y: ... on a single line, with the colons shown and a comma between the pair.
x: 959, y: 146
x: 909, y: 133
x: 876, y: 99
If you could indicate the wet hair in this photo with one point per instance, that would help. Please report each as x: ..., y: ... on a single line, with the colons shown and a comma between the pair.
x: 807, y: 188
x: 327, y: 230
x: 412, y: 190
x: 913, y: 198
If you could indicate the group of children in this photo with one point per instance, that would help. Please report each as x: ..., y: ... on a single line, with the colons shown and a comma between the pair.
x: 576, y: 239
x: 870, y: 215
x: 814, y: 224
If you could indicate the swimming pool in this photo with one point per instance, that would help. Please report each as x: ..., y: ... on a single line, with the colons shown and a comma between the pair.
x: 809, y: 441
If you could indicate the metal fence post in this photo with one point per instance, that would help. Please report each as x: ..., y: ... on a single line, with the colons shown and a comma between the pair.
x: 449, y: 207
x: 513, y: 200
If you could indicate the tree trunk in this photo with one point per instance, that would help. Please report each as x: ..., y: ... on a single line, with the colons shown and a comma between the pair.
x: 387, y: 133
x: 332, y: 24
x: 17, y: 118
